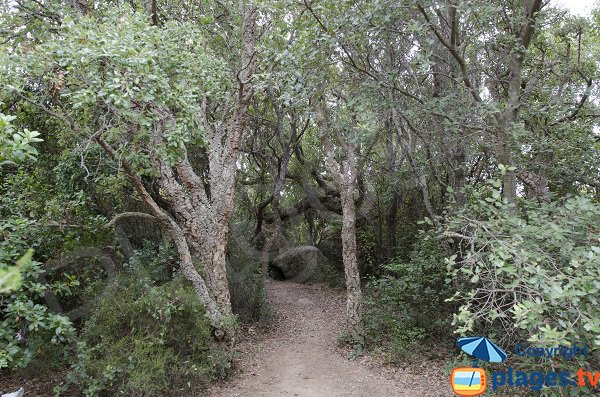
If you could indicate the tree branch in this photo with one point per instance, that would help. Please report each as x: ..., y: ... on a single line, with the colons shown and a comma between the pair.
x: 454, y: 52
x: 118, y: 218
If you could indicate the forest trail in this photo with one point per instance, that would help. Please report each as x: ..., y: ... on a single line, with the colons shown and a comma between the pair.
x: 300, y: 357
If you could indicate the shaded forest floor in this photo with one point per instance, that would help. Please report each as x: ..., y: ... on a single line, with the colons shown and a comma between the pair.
x: 300, y: 356
x: 35, y: 382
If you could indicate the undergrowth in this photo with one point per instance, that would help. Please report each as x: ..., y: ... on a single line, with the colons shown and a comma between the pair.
x: 146, y: 339
x: 405, y: 307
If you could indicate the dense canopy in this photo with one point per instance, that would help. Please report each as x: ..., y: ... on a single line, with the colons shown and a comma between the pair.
x: 157, y: 156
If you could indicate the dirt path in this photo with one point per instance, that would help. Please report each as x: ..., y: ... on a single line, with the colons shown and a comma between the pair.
x: 300, y: 358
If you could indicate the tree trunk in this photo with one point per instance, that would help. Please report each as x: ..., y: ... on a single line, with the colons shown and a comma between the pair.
x: 203, y: 210
x: 287, y: 144
x: 509, y: 179
x: 513, y: 100
x: 177, y: 233
x: 345, y: 176
x: 354, y: 298
x: 515, y: 57
x: 392, y: 215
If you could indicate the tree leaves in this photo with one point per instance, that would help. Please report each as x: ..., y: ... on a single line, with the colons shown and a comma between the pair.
x: 15, y: 145
x: 10, y: 279
x: 536, y: 270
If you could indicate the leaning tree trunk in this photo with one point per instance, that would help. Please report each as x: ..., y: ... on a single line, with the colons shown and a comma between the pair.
x: 177, y: 233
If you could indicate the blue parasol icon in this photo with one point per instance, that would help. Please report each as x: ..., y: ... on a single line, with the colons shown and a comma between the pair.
x: 482, y: 348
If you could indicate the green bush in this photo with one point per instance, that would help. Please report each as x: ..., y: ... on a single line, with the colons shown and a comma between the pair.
x: 248, y: 295
x: 158, y: 263
x: 146, y: 340
x: 27, y: 325
x: 15, y: 144
x: 405, y: 306
x: 333, y: 277
x: 533, y: 274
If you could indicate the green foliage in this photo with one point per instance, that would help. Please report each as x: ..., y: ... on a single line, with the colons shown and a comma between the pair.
x: 113, y: 71
x: 15, y: 144
x: 10, y: 276
x: 544, y: 260
x: 333, y: 277
x: 138, y: 74
x: 27, y: 326
x: 146, y: 340
x: 365, y: 239
x: 355, y: 343
x: 248, y: 295
x: 158, y: 263
x: 56, y: 217
x: 532, y: 274
x: 405, y: 306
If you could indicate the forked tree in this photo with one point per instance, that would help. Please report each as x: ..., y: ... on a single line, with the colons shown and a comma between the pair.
x: 150, y: 97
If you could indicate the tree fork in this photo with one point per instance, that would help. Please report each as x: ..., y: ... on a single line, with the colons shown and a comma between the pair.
x: 185, y: 258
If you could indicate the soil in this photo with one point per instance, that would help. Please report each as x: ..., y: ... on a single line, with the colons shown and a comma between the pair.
x: 36, y: 383
x: 301, y: 356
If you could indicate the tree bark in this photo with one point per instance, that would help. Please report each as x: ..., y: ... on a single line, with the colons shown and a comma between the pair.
x: 345, y: 176
x: 354, y: 298
x: 203, y: 209
x: 185, y: 258
x: 513, y: 101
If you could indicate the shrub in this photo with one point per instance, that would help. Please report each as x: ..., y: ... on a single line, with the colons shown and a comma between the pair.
x: 26, y: 325
x: 158, y: 263
x: 533, y: 274
x: 248, y: 295
x: 146, y: 340
x: 406, y: 304
x: 333, y: 277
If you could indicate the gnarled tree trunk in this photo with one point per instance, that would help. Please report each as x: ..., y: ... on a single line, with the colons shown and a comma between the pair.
x: 203, y: 207
x: 170, y: 225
